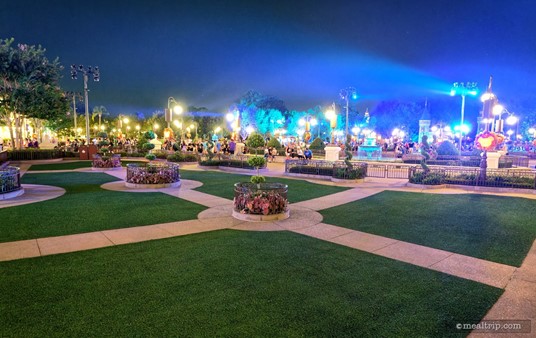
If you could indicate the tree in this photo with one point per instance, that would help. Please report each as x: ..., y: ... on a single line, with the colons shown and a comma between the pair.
x: 99, y: 111
x: 28, y: 87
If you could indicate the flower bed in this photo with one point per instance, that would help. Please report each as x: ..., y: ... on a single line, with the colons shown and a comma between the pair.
x: 152, y: 174
x: 10, y: 182
x: 260, y: 202
x: 106, y: 162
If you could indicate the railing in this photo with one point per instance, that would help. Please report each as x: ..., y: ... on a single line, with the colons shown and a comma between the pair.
x: 337, y: 170
x: 388, y: 171
x: 244, y: 187
x: 505, y: 161
x: 517, y: 161
x: 9, y: 180
x: 500, y: 178
x: 153, y: 173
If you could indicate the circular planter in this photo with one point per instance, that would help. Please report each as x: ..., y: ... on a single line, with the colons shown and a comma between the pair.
x: 10, y: 186
x: 152, y: 175
x: 260, y: 202
x: 106, y: 169
x: 105, y: 163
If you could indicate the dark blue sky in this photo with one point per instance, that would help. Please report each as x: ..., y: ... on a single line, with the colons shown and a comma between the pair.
x: 207, y: 53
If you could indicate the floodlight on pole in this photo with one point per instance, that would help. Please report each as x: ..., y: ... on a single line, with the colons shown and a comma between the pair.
x: 463, y: 89
x: 346, y: 94
x: 86, y: 71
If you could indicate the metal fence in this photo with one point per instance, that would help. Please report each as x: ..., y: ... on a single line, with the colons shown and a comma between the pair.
x: 153, y: 173
x: 500, y: 178
x: 9, y: 180
x: 388, y: 171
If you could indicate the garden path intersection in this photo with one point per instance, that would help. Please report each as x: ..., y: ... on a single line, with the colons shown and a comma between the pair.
x: 517, y: 302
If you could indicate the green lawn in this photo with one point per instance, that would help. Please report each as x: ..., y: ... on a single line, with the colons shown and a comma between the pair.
x: 233, y: 284
x: 70, y: 165
x: 495, y: 228
x: 222, y: 185
x: 86, y: 207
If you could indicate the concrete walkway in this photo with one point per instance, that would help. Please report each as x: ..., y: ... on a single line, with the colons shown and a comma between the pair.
x: 518, y: 300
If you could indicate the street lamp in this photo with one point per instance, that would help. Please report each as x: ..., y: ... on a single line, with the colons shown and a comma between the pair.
x: 346, y: 94
x: 331, y: 116
x: 96, y: 77
x: 176, y: 108
x: 459, y: 88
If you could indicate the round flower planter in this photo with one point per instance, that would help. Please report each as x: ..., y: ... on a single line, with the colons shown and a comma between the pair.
x: 260, y: 202
x: 105, y: 163
x: 10, y: 186
x: 152, y: 175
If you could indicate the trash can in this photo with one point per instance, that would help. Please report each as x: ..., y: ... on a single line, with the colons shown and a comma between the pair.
x: 84, y: 152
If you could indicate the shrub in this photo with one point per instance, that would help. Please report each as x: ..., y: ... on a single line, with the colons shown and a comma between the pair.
x: 149, y: 135
x: 161, y: 154
x: 180, y: 157
x: 257, y: 179
x: 427, y: 178
x: 147, y: 146
x: 256, y: 161
x: 209, y: 163
x: 255, y: 140
x: 317, y: 144
x: 102, y: 134
x: 274, y: 143
x: 150, y: 157
x: 446, y: 148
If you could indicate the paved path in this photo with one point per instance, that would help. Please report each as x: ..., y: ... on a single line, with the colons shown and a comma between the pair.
x: 517, y: 302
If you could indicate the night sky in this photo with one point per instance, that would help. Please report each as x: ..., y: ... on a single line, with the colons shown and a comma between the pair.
x: 208, y: 53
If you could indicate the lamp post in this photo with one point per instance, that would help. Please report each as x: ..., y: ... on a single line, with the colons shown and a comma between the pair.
x: 346, y: 94
x: 177, y: 109
x: 459, y: 88
x: 331, y: 115
x: 96, y: 77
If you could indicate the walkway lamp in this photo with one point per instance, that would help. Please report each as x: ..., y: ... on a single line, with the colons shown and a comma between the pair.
x: 463, y: 89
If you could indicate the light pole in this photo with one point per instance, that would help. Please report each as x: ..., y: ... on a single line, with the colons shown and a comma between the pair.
x: 74, y: 96
x: 459, y: 88
x: 96, y: 77
x: 331, y: 116
x: 345, y: 95
x: 177, y: 109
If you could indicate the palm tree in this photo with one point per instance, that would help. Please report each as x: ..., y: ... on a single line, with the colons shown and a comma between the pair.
x: 99, y: 111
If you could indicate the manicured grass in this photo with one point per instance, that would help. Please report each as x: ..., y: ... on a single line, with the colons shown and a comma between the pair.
x: 70, y: 165
x: 222, y: 185
x: 495, y: 228
x: 233, y: 284
x: 86, y: 207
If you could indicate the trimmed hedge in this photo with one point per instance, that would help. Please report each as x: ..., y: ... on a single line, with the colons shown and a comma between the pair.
x: 181, y: 157
x: 38, y: 154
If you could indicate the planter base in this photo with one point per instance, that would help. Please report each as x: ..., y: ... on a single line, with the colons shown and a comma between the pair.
x: 152, y: 186
x: 261, y: 218
x: 12, y: 194
x: 106, y: 169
